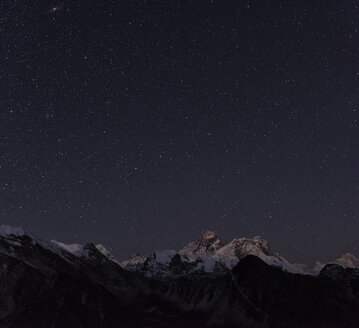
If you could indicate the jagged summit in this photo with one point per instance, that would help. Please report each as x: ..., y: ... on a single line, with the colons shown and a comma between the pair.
x: 246, y: 246
x: 347, y: 261
x: 203, y: 247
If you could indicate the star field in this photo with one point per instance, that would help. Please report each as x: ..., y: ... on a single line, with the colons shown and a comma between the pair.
x: 138, y: 124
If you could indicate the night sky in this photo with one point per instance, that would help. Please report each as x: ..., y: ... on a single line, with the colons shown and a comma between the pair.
x: 139, y: 124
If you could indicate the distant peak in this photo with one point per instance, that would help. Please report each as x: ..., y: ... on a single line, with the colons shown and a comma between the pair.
x: 347, y: 260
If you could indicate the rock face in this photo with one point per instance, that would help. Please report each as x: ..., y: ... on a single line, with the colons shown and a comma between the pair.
x: 45, y: 285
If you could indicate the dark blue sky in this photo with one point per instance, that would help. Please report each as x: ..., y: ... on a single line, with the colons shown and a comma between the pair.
x: 138, y: 124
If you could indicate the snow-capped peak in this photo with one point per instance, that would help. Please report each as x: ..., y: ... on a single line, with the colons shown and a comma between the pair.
x: 347, y: 261
x: 237, y: 249
x: 203, y: 247
x: 246, y: 246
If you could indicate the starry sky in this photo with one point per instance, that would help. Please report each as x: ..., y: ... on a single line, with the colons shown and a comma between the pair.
x: 140, y: 124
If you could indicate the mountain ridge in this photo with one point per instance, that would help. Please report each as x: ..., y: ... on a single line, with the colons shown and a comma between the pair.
x: 43, y: 285
x: 208, y: 253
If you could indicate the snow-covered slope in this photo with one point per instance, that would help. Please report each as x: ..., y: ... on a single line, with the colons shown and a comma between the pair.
x: 216, y: 255
x: 237, y: 249
x: 75, y: 249
x: 80, y: 250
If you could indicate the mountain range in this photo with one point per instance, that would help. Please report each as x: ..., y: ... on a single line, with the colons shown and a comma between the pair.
x: 210, y: 254
x: 205, y: 284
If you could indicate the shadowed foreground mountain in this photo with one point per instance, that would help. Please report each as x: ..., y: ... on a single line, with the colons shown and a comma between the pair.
x: 45, y: 285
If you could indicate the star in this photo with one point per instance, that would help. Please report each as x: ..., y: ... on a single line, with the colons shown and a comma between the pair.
x: 207, y: 124
x: 55, y: 8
